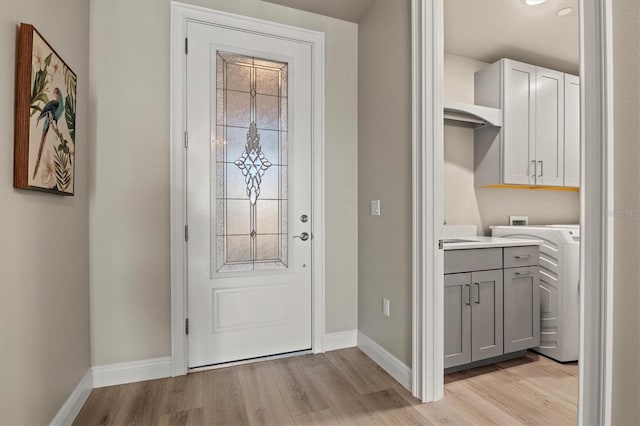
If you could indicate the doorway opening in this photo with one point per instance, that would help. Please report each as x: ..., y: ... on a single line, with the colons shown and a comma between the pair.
x: 595, y: 157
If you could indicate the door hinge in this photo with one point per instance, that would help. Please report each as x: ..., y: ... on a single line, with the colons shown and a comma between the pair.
x: 186, y: 46
x: 186, y: 139
x: 441, y: 244
x: 186, y: 325
x: 186, y: 232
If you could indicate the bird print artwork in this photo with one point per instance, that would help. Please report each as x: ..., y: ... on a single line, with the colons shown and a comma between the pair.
x: 45, y: 137
x: 51, y: 113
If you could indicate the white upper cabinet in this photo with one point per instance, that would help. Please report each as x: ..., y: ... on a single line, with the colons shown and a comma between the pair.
x: 549, y: 131
x: 518, y: 98
x: 530, y: 148
x: 571, y: 130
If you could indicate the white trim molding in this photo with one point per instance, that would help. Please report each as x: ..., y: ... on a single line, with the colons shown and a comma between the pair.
x: 130, y: 372
x: 340, y: 340
x: 389, y: 363
x: 181, y: 14
x: 427, y: 287
x: 596, y: 199
x: 72, y: 406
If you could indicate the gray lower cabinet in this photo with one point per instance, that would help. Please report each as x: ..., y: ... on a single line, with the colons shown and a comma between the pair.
x: 457, y: 319
x: 486, y: 315
x: 490, y: 311
x: 521, y: 308
x: 473, y: 320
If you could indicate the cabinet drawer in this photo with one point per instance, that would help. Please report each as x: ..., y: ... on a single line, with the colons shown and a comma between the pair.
x: 514, y: 257
x: 472, y: 260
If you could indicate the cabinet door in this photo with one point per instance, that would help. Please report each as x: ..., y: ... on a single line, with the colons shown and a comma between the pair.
x: 457, y: 319
x: 486, y: 315
x: 571, y: 130
x: 518, y: 108
x: 521, y: 308
x: 549, y: 127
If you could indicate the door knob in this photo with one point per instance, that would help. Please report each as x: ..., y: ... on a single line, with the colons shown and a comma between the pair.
x: 304, y: 236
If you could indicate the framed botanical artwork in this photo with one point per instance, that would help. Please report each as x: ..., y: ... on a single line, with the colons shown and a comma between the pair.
x: 45, y: 117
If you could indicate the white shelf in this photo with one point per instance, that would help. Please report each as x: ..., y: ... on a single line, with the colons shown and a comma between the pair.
x: 474, y: 114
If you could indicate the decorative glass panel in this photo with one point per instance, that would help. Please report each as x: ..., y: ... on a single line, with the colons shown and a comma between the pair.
x: 250, y: 158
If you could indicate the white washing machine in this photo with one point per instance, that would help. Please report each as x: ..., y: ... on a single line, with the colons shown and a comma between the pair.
x: 559, y: 286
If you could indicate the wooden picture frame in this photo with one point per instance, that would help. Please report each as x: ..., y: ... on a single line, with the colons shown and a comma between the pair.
x: 45, y: 117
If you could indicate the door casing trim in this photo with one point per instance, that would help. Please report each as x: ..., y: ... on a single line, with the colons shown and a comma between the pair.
x: 427, y: 34
x: 181, y: 14
x: 596, y: 203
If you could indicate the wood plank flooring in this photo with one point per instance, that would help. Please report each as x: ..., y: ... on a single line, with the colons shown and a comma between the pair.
x: 341, y: 387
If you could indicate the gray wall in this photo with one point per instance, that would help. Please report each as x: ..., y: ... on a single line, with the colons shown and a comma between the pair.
x: 129, y: 206
x: 466, y: 205
x: 626, y: 300
x: 44, y: 263
x: 384, y: 173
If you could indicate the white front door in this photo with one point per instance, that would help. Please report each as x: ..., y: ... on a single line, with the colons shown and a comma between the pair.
x: 249, y: 112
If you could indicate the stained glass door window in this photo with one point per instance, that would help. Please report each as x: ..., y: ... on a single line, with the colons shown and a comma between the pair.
x: 250, y: 164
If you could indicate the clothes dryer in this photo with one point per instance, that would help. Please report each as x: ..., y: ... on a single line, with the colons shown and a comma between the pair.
x: 559, y: 286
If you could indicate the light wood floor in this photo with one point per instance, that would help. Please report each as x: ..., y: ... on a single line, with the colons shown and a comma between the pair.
x: 340, y: 387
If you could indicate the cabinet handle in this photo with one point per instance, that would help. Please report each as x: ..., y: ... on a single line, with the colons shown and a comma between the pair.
x: 478, y: 299
x: 535, y: 169
x: 541, y: 168
x: 522, y: 256
x: 523, y: 274
x: 468, y: 302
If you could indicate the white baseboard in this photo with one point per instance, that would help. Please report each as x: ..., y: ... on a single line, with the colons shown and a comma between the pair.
x: 340, y: 340
x: 129, y: 372
x: 389, y: 363
x: 72, y: 406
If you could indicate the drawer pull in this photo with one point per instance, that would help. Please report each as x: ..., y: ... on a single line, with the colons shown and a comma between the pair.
x: 523, y: 274
x: 522, y: 256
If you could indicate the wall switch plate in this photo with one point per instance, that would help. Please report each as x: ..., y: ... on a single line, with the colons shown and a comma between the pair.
x: 518, y: 220
x: 386, y: 308
x: 375, y: 207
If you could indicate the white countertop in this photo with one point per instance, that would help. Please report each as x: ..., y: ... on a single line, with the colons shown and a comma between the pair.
x: 488, y: 242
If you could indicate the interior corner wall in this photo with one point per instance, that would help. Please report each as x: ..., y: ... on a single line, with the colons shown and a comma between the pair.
x: 44, y: 262
x: 626, y: 274
x: 384, y: 173
x: 464, y: 204
x: 129, y: 205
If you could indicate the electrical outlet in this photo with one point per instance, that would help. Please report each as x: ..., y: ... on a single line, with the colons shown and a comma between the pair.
x: 518, y: 220
x: 386, y: 308
x: 375, y: 207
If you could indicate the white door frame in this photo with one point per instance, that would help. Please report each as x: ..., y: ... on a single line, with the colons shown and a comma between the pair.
x: 428, y: 162
x: 181, y: 14
x: 596, y: 199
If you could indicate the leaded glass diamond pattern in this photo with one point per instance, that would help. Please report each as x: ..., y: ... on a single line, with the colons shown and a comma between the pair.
x: 253, y: 164
x: 251, y: 179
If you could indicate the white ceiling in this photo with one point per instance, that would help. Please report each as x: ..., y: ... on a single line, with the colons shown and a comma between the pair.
x: 487, y: 30
x: 348, y: 10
